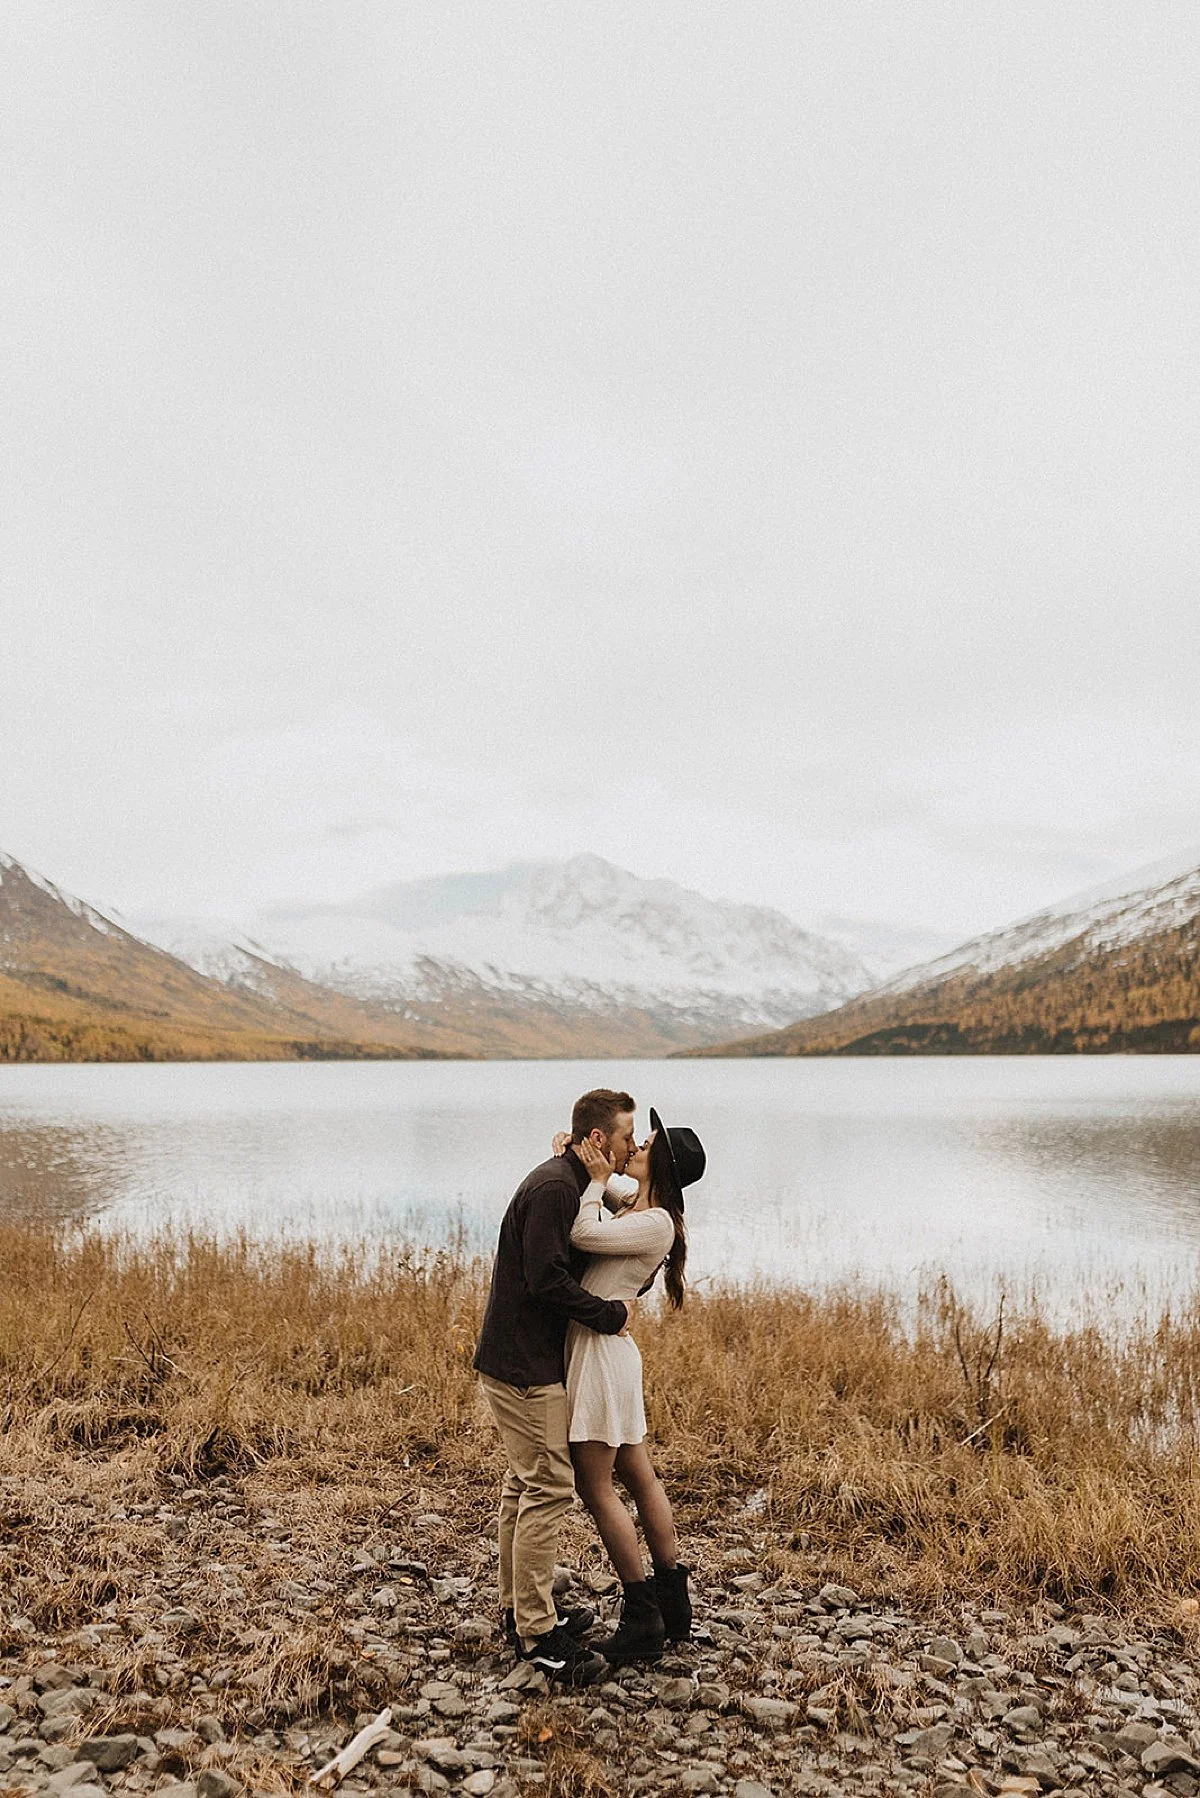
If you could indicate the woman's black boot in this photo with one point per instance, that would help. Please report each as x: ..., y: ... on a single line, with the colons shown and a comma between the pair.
x: 640, y: 1634
x: 671, y: 1587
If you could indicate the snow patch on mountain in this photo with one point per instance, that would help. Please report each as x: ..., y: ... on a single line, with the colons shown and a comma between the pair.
x: 78, y: 908
x: 213, y: 947
x: 580, y: 934
x: 1141, y: 902
x: 581, y: 927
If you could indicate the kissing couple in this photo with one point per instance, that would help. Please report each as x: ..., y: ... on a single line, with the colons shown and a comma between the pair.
x: 563, y: 1380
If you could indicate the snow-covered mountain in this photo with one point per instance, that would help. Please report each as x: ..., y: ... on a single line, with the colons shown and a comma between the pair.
x: 1144, y: 902
x: 1114, y: 968
x: 608, y: 962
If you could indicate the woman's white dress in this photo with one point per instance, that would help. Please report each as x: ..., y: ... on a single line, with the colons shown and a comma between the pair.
x: 604, y: 1373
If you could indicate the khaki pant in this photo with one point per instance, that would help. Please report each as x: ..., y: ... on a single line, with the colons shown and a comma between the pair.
x: 538, y: 1491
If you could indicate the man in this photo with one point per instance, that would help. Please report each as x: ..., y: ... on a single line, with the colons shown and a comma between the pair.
x: 535, y: 1293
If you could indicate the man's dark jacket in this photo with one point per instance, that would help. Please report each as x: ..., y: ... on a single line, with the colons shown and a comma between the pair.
x: 535, y: 1282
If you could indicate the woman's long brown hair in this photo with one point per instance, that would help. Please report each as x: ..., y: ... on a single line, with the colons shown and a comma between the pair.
x: 665, y: 1191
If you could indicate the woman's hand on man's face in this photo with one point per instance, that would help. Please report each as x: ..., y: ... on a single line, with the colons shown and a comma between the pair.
x: 599, y: 1165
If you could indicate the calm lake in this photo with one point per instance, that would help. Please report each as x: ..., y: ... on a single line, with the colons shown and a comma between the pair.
x: 1079, y: 1176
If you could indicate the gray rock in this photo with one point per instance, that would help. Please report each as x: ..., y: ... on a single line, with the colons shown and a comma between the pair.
x: 1032, y: 1763
x: 772, y: 1713
x: 837, y: 1598
x: 478, y: 1785
x: 181, y: 1789
x: 448, y: 1759
x: 73, y: 1774
x: 57, y: 1726
x: 1169, y: 1755
x: 698, y: 1779
x: 1135, y: 1736
x: 183, y: 1622
x: 52, y: 1676
x: 931, y: 1743
x: 750, y: 1788
x: 676, y: 1694
x: 176, y: 1739
x: 210, y: 1729
x: 521, y: 1677
x: 946, y: 1649
x: 214, y: 1782
x: 1120, y: 1700
x: 111, y: 1753
x: 56, y: 1755
x: 1024, y: 1718
x: 474, y: 1629
x: 66, y: 1701
x: 713, y: 1694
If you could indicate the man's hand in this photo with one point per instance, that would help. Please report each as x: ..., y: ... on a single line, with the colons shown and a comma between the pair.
x: 600, y: 1165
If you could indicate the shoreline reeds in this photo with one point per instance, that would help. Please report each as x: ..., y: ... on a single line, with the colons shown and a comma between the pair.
x: 943, y: 1456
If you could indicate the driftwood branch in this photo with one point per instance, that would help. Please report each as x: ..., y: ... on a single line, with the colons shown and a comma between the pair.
x: 335, y: 1770
x: 987, y: 1424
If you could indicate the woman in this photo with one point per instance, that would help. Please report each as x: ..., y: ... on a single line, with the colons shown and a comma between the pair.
x: 607, y: 1430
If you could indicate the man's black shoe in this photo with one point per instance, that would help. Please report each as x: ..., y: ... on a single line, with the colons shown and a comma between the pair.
x: 564, y: 1659
x: 578, y: 1622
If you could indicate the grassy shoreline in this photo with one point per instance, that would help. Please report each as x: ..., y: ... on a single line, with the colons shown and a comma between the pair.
x: 967, y: 1458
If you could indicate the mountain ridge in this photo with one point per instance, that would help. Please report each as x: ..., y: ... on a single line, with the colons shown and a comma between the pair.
x: 549, y: 957
x: 77, y: 984
x: 1112, y: 969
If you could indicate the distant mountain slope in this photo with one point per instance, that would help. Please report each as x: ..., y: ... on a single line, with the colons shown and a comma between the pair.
x: 547, y: 958
x: 1115, y: 968
x: 76, y: 985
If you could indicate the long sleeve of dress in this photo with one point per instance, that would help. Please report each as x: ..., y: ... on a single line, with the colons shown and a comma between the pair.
x: 634, y: 1233
x: 547, y: 1270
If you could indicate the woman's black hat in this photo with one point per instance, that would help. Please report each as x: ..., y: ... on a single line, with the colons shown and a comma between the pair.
x: 684, y: 1149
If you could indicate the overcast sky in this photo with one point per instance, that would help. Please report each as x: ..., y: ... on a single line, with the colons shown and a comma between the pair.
x: 756, y: 443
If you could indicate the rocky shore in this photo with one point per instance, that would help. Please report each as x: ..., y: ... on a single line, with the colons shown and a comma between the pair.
x: 236, y: 1653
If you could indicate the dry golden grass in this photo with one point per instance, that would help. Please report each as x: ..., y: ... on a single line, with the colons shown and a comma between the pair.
x: 929, y: 1460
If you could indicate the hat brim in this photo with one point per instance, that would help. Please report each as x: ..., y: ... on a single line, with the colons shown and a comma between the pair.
x: 660, y: 1129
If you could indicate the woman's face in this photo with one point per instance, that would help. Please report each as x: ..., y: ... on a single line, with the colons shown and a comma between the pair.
x: 638, y: 1165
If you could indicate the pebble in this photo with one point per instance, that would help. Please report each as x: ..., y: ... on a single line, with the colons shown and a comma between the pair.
x: 110, y: 1753
x: 214, y: 1782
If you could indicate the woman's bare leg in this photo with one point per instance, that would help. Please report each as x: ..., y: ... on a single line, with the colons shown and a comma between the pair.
x: 636, y: 1473
x: 594, y: 1463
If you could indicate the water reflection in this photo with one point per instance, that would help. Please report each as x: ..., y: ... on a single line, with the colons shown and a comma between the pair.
x: 1068, y: 1175
x: 52, y: 1172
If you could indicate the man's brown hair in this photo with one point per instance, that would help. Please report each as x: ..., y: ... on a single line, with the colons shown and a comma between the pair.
x: 598, y: 1110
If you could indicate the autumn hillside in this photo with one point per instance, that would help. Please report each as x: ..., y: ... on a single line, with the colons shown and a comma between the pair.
x: 1099, y: 975
x: 75, y: 986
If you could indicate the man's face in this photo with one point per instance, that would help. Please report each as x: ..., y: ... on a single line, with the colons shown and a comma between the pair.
x: 619, y: 1141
